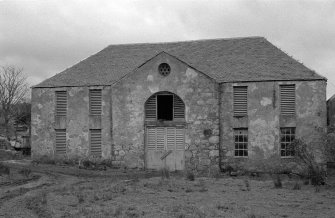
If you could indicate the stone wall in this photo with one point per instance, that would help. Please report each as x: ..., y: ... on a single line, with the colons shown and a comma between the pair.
x: 200, y: 95
x: 264, y: 119
x: 331, y: 111
x: 77, y: 121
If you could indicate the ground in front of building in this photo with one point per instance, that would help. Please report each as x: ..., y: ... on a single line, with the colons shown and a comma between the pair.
x: 61, y: 191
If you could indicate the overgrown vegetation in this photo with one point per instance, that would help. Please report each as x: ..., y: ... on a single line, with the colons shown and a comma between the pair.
x: 190, y: 176
x: 90, y: 163
x: 25, y: 171
x: 316, y: 172
x: 165, y: 173
x: 4, y: 170
x: 277, y: 181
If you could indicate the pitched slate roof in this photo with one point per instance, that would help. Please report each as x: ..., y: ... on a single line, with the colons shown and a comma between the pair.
x: 225, y: 60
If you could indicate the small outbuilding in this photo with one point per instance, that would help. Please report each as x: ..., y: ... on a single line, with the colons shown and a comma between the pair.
x: 331, y: 111
x: 179, y: 105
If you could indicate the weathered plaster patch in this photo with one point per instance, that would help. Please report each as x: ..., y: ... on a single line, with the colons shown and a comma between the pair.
x: 150, y: 78
x: 252, y: 87
x: 153, y: 89
x: 266, y: 101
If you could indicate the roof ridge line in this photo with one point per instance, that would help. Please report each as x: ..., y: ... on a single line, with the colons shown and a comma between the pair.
x: 183, y: 41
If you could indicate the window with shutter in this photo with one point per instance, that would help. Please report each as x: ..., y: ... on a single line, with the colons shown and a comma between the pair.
x: 240, y: 101
x: 164, y: 106
x: 95, y: 102
x: 150, y: 108
x: 178, y: 108
x: 95, y: 142
x: 60, y: 141
x: 61, y: 103
x: 287, y: 99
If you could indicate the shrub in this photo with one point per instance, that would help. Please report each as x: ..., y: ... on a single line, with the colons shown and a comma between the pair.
x: 277, y: 181
x: 190, y: 176
x: 44, y: 160
x: 4, y: 170
x: 165, y: 173
x: 297, y: 186
x: 316, y: 173
x: 25, y: 171
x: 247, y: 184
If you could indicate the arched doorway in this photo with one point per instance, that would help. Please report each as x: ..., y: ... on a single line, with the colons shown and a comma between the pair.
x: 164, y: 131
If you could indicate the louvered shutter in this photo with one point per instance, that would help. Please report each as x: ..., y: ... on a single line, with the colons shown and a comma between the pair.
x: 180, y: 139
x: 60, y: 141
x: 61, y: 103
x: 95, y: 142
x: 151, y: 138
x: 287, y: 99
x: 150, y: 108
x: 178, y: 108
x: 170, y: 138
x: 95, y: 102
x: 160, y: 138
x: 240, y: 101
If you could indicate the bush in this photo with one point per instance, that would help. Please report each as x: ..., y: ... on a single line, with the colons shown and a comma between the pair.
x: 247, y: 184
x: 296, y: 186
x: 316, y: 173
x: 25, y: 171
x: 165, y: 173
x: 4, y: 170
x: 277, y: 181
x: 190, y: 176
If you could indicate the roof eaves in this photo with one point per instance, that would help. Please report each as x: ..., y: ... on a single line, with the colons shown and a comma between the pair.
x: 270, y: 80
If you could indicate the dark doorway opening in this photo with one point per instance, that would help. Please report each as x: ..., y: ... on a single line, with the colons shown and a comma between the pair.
x: 165, y: 107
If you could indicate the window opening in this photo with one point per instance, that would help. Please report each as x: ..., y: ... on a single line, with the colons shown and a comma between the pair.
x: 241, y: 142
x: 164, y: 69
x: 165, y: 107
x: 287, y: 136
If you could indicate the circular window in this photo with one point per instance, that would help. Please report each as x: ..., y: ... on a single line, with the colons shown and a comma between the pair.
x: 164, y: 69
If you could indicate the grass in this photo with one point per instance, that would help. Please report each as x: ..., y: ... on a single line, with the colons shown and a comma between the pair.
x: 177, y: 196
x: 38, y: 205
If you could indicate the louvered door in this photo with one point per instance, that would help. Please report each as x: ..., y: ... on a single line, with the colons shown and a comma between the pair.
x: 159, y: 141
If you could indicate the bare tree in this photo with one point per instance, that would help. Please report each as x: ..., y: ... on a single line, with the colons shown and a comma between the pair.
x: 13, y: 90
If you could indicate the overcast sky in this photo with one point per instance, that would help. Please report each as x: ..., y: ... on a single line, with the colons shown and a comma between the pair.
x: 44, y: 37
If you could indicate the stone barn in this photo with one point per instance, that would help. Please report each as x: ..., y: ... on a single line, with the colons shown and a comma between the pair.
x: 179, y: 105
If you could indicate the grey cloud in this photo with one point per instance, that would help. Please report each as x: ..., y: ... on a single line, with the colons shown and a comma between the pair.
x: 45, y: 37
